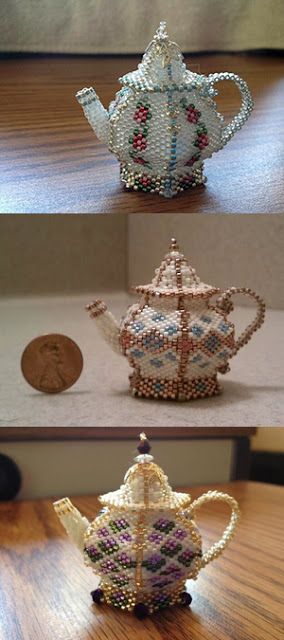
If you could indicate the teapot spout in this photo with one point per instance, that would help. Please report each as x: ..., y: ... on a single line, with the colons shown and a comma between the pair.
x: 106, y: 323
x: 73, y: 522
x: 95, y: 112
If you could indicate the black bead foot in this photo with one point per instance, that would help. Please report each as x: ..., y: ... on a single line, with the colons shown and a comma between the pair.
x: 97, y: 595
x: 140, y: 611
x: 185, y: 599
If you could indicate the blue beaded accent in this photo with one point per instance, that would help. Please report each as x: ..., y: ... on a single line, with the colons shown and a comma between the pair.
x: 137, y: 353
x: 153, y: 342
x: 157, y: 363
x: 212, y: 343
x: 158, y: 317
x: 170, y: 356
x: 138, y: 326
x: 224, y: 327
x: 223, y: 355
x: 171, y: 329
x: 197, y: 330
x: 206, y: 319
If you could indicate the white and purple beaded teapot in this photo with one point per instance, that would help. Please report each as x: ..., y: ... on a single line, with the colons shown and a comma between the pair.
x: 164, y: 121
x: 144, y: 544
x: 177, y: 338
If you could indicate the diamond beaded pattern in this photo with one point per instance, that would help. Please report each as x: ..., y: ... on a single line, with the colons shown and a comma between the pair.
x: 175, y: 341
x: 170, y: 554
x: 164, y: 122
x: 140, y: 545
x: 145, y: 544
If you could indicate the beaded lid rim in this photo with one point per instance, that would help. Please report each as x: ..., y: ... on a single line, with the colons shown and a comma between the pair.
x: 147, y: 470
x: 169, y: 52
x: 197, y: 290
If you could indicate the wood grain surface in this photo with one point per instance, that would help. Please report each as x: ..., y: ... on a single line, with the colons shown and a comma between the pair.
x: 45, y: 587
x: 52, y: 162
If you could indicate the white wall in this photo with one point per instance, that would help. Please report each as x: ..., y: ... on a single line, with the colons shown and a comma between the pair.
x: 52, y: 254
x: 53, y: 468
x: 226, y: 250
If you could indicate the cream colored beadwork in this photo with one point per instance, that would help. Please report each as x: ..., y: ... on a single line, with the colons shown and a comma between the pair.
x: 145, y: 543
x: 177, y: 339
x: 164, y: 122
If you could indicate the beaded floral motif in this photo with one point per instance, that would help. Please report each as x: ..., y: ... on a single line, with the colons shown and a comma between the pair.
x: 201, y: 140
x: 157, y: 90
x: 138, y: 139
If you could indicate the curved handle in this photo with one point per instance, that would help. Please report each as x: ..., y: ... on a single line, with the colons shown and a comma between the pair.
x: 218, y: 547
x: 225, y: 305
x: 246, y: 107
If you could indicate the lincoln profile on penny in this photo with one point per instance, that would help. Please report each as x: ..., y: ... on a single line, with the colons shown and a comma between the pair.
x: 145, y: 544
x: 177, y: 338
x: 51, y: 378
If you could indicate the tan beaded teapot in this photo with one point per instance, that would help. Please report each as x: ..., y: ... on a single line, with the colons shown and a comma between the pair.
x: 176, y: 338
x: 145, y: 544
x: 164, y: 121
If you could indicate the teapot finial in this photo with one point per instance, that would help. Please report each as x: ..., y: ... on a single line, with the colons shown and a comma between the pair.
x: 161, y: 33
x: 144, y: 446
x: 174, y: 245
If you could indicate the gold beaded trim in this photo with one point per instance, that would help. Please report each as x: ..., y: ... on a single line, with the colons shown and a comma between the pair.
x: 218, y: 547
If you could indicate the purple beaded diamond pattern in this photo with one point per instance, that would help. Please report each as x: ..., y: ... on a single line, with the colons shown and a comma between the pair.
x: 168, y: 555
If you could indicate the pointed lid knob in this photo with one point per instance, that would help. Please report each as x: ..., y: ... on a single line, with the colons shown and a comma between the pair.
x: 162, y: 67
x: 145, y: 485
x: 176, y: 277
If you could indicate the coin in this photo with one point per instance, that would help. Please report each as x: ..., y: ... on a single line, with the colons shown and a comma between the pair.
x: 52, y: 363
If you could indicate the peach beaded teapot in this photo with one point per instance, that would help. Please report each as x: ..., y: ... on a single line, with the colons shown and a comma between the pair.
x: 164, y: 121
x: 145, y: 544
x: 176, y: 338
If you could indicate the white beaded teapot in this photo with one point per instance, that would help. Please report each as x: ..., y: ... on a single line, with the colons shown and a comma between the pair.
x: 176, y: 338
x: 164, y: 121
x: 144, y: 544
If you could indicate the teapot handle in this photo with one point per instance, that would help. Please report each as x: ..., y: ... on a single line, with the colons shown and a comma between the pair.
x: 224, y: 304
x: 218, y: 547
x: 246, y: 107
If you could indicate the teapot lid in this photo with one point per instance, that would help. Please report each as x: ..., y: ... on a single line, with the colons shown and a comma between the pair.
x: 145, y: 486
x: 162, y: 67
x: 175, y: 277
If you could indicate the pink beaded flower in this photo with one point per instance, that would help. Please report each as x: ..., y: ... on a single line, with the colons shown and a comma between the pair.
x: 193, y: 114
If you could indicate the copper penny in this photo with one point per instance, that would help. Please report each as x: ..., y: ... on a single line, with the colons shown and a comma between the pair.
x: 52, y: 363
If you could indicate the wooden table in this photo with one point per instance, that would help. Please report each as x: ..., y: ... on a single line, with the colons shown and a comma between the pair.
x: 51, y: 161
x: 45, y: 587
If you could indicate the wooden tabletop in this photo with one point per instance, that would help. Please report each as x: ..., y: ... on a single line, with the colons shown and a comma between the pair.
x: 52, y: 162
x: 45, y: 586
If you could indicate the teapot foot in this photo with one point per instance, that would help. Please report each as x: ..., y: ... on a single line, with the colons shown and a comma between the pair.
x: 141, y: 611
x: 185, y: 599
x: 167, y: 185
x: 97, y: 595
x: 181, y: 390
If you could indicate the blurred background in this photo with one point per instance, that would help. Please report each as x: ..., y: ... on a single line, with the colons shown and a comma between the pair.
x: 124, y: 26
x: 95, y: 464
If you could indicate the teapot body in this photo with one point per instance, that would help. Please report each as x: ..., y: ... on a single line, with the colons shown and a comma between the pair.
x: 143, y: 556
x: 164, y: 122
x: 162, y: 137
x: 176, y: 350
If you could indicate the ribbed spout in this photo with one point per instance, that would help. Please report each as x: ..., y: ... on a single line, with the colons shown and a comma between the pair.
x: 95, y: 112
x: 106, y: 323
x: 73, y: 522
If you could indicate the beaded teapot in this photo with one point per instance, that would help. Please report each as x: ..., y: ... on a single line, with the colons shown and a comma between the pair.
x: 164, y: 121
x: 144, y: 544
x: 176, y: 338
